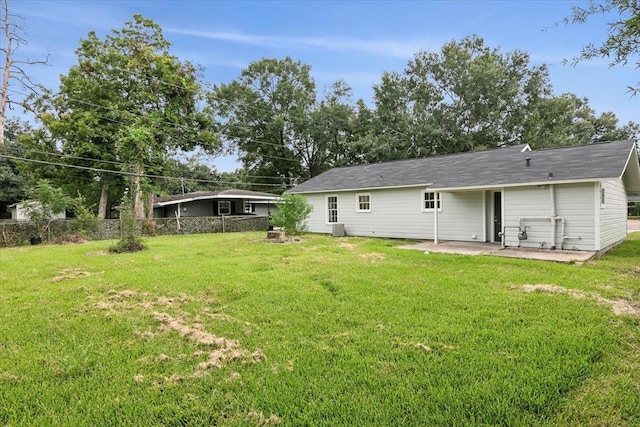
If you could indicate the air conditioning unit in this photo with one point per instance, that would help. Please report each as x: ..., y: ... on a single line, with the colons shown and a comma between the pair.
x: 338, y: 230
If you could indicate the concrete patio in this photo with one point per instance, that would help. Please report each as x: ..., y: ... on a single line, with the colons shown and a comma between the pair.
x: 494, y: 249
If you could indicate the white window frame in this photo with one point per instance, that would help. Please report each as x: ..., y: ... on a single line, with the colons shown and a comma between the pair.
x: 423, y: 201
x: 328, y: 209
x: 358, y: 203
x: 220, y: 209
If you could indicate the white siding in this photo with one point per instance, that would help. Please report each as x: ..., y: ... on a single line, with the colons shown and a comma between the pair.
x: 528, y: 202
x: 613, y: 215
x: 19, y: 213
x: 574, y: 203
x: 398, y: 213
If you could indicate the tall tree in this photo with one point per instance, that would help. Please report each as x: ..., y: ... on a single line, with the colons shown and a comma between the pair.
x: 271, y: 118
x: 129, y: 100
x: 569, y: 120
x: 465, y: 97
x: 13, y: 67
x: 622, y: 44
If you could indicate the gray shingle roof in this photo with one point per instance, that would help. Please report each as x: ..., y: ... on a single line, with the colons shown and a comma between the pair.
x: 498, y: 167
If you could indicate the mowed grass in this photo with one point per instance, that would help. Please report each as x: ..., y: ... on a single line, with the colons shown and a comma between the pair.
x: 227, y: 330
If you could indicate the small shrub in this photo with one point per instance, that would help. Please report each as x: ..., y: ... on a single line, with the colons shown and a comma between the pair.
x: 127, y: 245
x: 85, y: 221
x: 149, y: 227
x: 293, y: 211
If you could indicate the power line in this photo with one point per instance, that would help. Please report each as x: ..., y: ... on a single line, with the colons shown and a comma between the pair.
x: 66, y: 156
x: 132, y: 174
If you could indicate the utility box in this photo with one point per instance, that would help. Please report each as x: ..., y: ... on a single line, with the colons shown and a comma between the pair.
x: 338, y: 230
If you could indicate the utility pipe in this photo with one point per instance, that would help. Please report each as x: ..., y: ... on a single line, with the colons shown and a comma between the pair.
x: 435, y: 218
x: 552, y: 196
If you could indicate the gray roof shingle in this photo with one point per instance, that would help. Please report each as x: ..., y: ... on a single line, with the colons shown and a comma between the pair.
x: 491, y: 168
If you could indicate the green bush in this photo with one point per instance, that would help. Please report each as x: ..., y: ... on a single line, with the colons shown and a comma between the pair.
x: 85, y: 221
x: 293, y: 211
x: 127, y: 244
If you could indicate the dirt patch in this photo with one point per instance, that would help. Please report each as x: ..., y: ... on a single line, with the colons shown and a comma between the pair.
x: 373, y: 257
x: 225, y: 352
x: 423, y: 347
x: 348, y: 246
x: 554, y: 289
x: 621, y: 307
x: 8, y: 376
x: 261, y: 420
x: 618, y: 306
x: 70, y: 239
x: 70, y: 273
x: 194, y: 332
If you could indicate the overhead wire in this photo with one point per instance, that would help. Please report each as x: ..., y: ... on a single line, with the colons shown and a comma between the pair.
x: 133, y: 174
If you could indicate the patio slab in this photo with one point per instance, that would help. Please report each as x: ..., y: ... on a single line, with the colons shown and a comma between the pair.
x: 494, y: 249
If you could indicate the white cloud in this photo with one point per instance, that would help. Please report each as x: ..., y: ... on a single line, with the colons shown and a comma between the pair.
x: 382, y: 47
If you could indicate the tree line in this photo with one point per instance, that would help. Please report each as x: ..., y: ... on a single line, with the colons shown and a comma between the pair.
x: 126, y: 113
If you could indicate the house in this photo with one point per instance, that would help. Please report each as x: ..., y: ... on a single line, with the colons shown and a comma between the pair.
x: 215, y: 203
x: 19, y: 213
x: 633, y: 205
x: 565, y: 198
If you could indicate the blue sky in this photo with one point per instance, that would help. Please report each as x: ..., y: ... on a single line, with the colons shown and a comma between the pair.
x: 355, y: 41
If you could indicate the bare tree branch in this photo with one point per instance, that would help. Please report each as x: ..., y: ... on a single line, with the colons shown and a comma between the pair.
x: 14, y: 35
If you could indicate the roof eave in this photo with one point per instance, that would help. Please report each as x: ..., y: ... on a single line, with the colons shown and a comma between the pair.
x: 632, y: 172
x: 341, y: 190
x: 518, y: 184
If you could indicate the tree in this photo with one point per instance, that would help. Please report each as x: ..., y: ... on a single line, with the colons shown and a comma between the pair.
x: 129, y: 103
x: 465, y: 97
x: 13, y: 67
x: 44, y: 203
x: 569, y: 120
x: 623, y: 42
x: 13, y: 183
x: 271, y: 118
x: 293, y: 211
x: 470, y: 97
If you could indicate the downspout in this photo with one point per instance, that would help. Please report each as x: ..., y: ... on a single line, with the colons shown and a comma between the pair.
x: 552, y: 195
x: 435, y: 218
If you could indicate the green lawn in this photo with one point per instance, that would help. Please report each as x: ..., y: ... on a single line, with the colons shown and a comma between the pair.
x: 226, y: 330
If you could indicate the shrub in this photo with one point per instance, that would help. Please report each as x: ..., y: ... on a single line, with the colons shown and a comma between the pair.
x: 127, y: 244
x: 293, y: 211
x: 85, y: 221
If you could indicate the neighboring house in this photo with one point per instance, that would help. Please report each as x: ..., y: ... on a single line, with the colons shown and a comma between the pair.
x: 633, y: 205
x: 18, y: 213
x: 565, y: 198
x: 215, y: 203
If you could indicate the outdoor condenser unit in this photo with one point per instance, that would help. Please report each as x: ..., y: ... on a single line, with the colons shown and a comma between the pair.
x: 338, y: 230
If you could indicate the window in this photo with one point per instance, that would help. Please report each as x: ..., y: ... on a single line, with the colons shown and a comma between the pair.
x: 363, y: 202
x: 332, y: 209
x: 603, y: 198
x: 224, y: 207
x: 249, y: 207
x: 429, y: 201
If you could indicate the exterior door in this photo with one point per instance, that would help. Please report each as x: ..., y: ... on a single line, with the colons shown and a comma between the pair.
x: 497, y: 216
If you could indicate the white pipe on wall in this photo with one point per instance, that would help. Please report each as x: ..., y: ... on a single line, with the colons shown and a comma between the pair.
x: 552, y: 195
x: 435, y: 218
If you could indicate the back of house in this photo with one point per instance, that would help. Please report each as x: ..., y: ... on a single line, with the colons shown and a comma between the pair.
x: 561, y: 198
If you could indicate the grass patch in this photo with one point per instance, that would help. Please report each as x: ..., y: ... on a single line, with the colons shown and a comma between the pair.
x: 225, y: 330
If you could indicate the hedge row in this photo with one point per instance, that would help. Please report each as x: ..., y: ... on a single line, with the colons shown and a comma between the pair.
x: 16, y: 233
